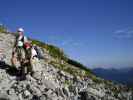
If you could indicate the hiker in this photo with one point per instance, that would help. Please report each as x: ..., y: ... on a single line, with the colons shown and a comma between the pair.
x: 22, y: 53
x: 40, y: 53
x: 34, y: 59
x: 26, y: 67
x: 18, y: 54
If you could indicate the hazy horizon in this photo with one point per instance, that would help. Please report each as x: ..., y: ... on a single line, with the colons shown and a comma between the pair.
x: 98, y: 33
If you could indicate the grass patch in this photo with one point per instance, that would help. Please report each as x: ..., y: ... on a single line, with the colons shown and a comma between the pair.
x: 53, y: 50
x: 79, y: 65
x: 73, y: 70
x: 68, y: 82
x: 96, y: 79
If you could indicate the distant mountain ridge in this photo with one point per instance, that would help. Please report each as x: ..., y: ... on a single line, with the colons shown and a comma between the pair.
x: 121, y: 75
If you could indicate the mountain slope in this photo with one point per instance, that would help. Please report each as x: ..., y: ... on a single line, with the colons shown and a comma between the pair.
x: 59, y: 78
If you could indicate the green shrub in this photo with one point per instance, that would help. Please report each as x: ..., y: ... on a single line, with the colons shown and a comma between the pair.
x: 39, y: 43
x: 68, y: 82
x: 96, y: 79
x: 56, y: 52
x: 3, y: 28
x: 79, y: 65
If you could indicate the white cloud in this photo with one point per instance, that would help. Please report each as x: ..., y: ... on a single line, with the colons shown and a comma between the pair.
x: 65, y: 41
x: 71, y: 43
x: 124, y: 34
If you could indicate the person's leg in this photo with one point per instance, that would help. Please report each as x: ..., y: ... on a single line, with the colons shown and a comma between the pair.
x: 32, y: 64
x: 18, y: 51
x: 30, y: 70
x: 14, y: 59
x: 23, y: 71
x: 23, y: 53
x: 28, y: 57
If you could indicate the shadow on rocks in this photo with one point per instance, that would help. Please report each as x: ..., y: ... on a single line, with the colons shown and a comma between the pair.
x: 3, y: 99
x: 9, y: 69
x: 85, y: 96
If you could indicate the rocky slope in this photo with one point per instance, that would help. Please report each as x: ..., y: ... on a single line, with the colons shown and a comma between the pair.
x: 57, y: 79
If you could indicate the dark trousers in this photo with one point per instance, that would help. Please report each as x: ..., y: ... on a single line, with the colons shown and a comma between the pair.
x: 26, y: 68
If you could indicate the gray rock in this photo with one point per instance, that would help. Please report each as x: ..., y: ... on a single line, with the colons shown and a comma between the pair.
x: 50, y: 84
x: 37, y: 75
x: 43, y: 97
x: 26, y: 93
x: 4, y: 97
x: 49, y: 92
x: 11, y: 91
x: 73, y: 89
x: 66, y: 91
x: 36, y: 91
x: 60, y: 92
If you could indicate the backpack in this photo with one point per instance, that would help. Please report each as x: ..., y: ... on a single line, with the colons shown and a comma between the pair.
x: 33, y: 52
x: 40, y: 54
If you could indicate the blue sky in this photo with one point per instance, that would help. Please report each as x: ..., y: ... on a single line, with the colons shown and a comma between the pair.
x: 98, y: 33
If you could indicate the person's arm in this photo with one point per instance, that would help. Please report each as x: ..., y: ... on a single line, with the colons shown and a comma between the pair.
x: 16, y: 40
x: 26, y: 39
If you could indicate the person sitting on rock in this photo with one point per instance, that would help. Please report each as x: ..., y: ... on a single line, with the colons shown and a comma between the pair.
x: 34, y: 59
x: 39, y: 51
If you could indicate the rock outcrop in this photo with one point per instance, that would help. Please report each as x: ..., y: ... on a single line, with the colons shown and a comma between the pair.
x: 53, y: 83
